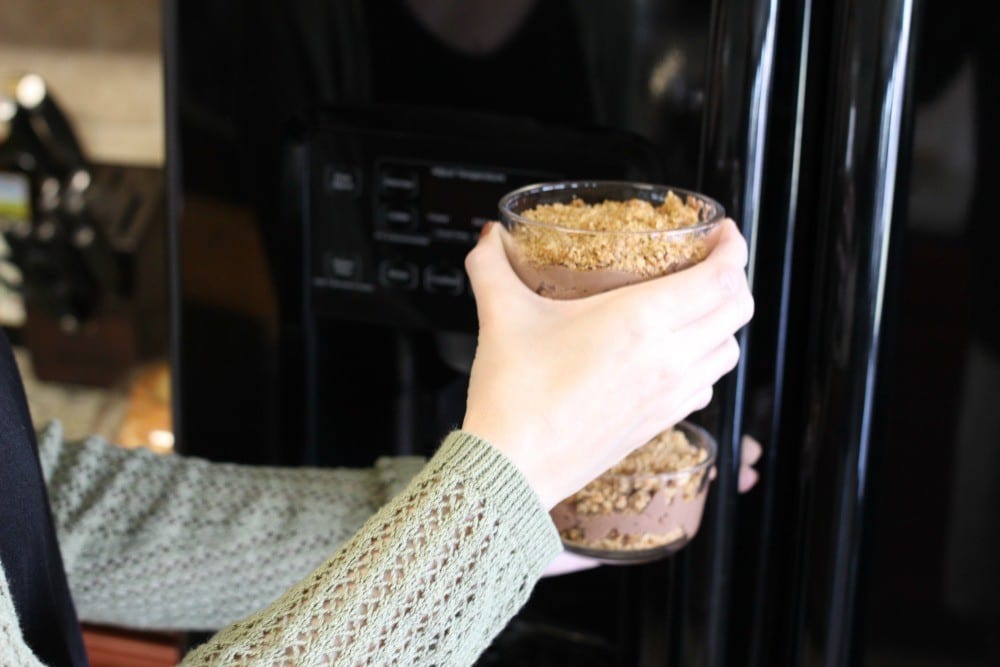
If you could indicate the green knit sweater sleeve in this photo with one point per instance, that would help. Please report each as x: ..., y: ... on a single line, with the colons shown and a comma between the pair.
x: 428, y: 580
x: 173, y: 542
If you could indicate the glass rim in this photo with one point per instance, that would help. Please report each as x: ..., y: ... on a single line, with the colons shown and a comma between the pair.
x: 719, y: 212
x: 705, y: 441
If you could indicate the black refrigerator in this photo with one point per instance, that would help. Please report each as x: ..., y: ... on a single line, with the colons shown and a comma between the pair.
x: 330, y: 163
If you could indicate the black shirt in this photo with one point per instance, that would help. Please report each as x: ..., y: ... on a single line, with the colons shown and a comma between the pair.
x: 29, y: 552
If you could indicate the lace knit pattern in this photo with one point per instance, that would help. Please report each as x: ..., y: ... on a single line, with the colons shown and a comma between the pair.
x: 429, y: 580
x: 13, y: 651
x: 179, y: 543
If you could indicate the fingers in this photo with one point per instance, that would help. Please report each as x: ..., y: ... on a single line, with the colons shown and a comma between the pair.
x: 728, y: 244
x: 693, y: 293
x: 750, y: 450
x: 705, y: 371
x: 748, y: 479
x: 671, y: 411
x: 716, y: 326
x: 493, y: 280
x: 695, y: 390
x: 697, y: 402
x: 567, y: 562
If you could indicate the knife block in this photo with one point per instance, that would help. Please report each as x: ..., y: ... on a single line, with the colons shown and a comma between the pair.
x: 125, y: 320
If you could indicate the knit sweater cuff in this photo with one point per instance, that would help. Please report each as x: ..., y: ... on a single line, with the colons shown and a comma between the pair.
x: 501, y: 485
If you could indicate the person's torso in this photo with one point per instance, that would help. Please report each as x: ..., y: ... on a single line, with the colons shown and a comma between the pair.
x: 29, y: 552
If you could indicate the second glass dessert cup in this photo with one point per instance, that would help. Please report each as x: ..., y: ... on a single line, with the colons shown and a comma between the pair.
x: 639, y: 516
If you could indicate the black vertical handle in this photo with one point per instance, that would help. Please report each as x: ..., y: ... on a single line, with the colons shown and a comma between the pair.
x: 741, y: 60
x: 866, y: 150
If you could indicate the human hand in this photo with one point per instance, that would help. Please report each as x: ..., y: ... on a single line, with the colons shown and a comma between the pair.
x: 565, y: 389
x: 567, y: 562
x: 750, y: 451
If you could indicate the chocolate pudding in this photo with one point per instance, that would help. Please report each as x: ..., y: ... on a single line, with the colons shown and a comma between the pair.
x: 650, y: 501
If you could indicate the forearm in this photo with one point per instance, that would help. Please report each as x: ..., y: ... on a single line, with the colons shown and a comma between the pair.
x: 430, y: 579
x: 175, y: 542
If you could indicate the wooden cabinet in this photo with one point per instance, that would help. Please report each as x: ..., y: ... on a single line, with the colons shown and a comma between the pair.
x: 113, y: 647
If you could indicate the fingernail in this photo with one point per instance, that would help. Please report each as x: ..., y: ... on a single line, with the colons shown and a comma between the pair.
x: 485, y: 230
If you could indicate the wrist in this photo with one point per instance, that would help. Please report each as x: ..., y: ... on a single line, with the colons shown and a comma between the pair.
x: 522, y: 454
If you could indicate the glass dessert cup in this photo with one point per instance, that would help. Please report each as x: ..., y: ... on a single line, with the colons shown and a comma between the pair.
x: 639, y: 517
x: 561, y: 261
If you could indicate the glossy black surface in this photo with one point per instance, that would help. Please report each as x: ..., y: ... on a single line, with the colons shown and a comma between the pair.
x: 931, y: 590
x: 782, y: 274
x: 734, y: 138
x: 871, y: 540
x: 274, y: 110
x: 244, y: 115
x: 794, y: 115
x: 857, y: 207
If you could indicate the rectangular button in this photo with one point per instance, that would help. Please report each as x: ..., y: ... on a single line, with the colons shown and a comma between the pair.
x: 399, y: 218
x: 342, y: 180
x: 343, y: 267
x: 453, y: 236
x: 399, y: 182
x: 444, y: 280
x: 398, y: 275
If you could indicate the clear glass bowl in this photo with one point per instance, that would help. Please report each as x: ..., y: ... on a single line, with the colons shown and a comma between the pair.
x: 648, y: 515
x: 568, y: 263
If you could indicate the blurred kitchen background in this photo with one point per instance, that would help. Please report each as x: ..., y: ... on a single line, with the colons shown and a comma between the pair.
x: 82, y: 256
x: 83, y: 289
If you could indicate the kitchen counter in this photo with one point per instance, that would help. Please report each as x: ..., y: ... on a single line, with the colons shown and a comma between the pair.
x: 83, y: 411
x: 133, y: 413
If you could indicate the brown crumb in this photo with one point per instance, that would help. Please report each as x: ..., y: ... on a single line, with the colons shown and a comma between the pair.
x: 631, y: 484
x: 615, y: 216
x: 646, y: 255
x: 670, y: 451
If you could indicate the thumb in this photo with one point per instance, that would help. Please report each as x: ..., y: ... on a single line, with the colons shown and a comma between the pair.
x: 494, y: 282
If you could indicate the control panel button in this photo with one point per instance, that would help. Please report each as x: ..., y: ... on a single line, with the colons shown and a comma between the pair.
x: 453, y: 236
x: 342, y: 180
x: 444, y: 280
x: 399, y: 182
x: 398, y: 218
x: 343, y: 267
x: 398, y: 275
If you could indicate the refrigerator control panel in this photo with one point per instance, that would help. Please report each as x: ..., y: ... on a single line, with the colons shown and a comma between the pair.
x: 395, y: 205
